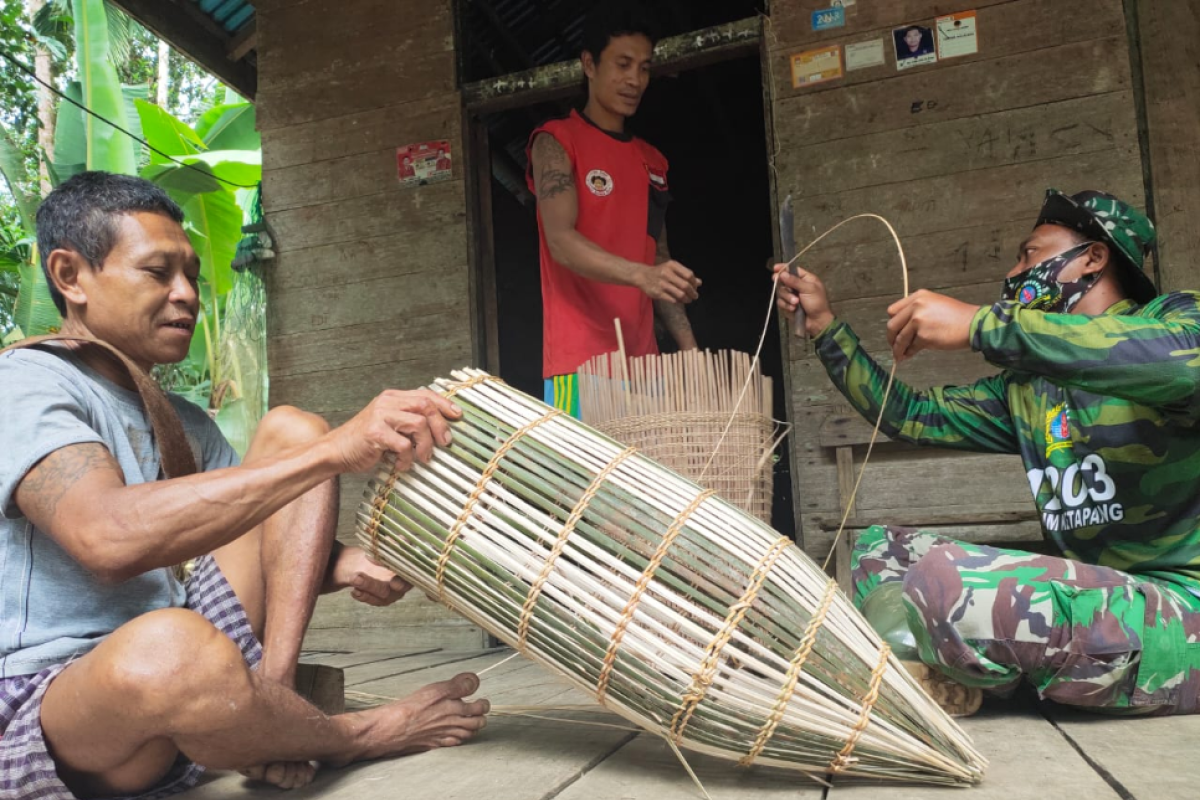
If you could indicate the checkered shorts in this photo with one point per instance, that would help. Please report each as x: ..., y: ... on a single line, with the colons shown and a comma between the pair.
x: 26, y: 769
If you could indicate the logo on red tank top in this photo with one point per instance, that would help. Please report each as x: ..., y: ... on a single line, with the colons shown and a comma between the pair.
x: 599, y: 182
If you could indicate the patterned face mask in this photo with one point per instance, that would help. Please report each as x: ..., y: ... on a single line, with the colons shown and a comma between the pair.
x: 1039, y: 288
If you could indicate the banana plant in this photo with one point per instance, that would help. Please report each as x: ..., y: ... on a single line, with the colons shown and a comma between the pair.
x: 33, y: 311
x: 198, y: 168
x: 82, y: 142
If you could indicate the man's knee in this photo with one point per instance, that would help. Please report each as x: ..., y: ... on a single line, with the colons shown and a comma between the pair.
x: 287, y: 426
x: 165, y: 659
x: 933, y: 584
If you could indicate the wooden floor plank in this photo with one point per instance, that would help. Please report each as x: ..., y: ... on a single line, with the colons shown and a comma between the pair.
x: 647, y: 768
x: 1153, y: 759
x: 347, y: 660
x: 365, y: 673
x: 1028, y: 760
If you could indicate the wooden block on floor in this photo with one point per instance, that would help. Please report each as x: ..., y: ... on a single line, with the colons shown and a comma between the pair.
x: 323, y: 686
x: 1151, y: 758
x: 648, y: 768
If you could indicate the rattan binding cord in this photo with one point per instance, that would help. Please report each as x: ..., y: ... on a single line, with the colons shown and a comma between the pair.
x: 576, y: 514
x: 793, y: 675
x: 707, y: 670
x: 467, y: 384
x: 378, y: 504
x: 614, y: 644
x: 480, y: 487
x: 843, y: 760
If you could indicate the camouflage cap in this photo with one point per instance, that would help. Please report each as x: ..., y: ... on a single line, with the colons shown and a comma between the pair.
x: 1110, y: 220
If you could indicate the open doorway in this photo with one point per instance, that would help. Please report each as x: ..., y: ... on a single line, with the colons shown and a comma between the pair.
x: 709, y: 122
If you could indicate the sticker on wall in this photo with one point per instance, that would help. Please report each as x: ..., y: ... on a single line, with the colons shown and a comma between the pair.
x: 843, y: 3
x: 957, y: 35
x: 424, y: 162
x: 816, y: 66
x: 826, y: 18
x: 914, y: 46
x: 861, y: 55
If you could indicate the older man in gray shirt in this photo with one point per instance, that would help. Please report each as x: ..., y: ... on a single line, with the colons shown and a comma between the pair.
x: 115, y: 678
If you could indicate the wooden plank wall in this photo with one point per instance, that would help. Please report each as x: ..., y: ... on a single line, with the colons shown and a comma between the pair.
x: 1170, y: 56
x: 371, y: 286
x: 957, y: 155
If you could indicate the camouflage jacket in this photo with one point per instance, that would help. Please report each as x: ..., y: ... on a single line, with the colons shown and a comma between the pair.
x: 1103, y: 411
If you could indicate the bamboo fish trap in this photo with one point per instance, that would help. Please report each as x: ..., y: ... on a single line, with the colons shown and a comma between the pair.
x: 704, y: 415
x: 670, y: 606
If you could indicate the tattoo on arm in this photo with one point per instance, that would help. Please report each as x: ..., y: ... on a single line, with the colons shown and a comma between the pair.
x: 44, y: 486
x: 674, y: 317
x: 554, y: 173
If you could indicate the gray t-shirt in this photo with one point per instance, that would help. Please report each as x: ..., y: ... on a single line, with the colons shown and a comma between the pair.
x: 51, y: 608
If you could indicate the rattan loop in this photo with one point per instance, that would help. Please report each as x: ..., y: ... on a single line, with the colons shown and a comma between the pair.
x: 793, y: 676
x: 610, y: 657
x: 707, y: 671
x: 842, y: 760
x: 535, y: 590
x: 477, y: 492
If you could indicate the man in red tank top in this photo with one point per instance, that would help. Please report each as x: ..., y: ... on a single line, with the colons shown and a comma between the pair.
x: 602, y: 202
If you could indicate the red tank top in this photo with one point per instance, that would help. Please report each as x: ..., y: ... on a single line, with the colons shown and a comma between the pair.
x: 621, y: 183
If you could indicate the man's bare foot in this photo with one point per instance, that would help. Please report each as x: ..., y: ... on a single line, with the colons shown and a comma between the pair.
x: 434, y: 716
x: 285, y: 775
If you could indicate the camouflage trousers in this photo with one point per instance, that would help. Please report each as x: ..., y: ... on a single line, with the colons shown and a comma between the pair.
x: 1083, y: 635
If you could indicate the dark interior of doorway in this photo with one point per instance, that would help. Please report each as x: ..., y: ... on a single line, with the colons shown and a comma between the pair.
x: 709, y: 123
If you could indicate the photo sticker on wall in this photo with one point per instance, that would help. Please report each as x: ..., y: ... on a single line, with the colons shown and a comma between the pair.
x: 914, y: 46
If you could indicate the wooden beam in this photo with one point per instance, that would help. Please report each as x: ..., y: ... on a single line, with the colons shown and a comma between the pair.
x: 244, y: 41
x: 678, y: 53
x: 191, y: 32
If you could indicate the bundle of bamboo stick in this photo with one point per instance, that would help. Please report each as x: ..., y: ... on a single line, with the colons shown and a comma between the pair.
x: 667, y: 604
x: 705, y: 415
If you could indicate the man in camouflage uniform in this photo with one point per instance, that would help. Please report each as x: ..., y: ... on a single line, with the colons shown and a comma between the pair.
x: 1098, y: 394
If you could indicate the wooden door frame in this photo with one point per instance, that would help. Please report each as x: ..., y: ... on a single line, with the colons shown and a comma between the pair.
x: 556, y: 81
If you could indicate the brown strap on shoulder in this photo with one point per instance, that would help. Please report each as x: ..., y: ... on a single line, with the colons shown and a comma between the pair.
x: 173, y: 449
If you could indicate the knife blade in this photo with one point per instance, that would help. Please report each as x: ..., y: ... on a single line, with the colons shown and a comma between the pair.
x: 787, y: 241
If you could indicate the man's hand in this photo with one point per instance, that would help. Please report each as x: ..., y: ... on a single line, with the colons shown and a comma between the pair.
x: 806, y: 290
x: 408, y: 424
x: 670, y: 281
x: 926, y: 320
x: 368, y: 582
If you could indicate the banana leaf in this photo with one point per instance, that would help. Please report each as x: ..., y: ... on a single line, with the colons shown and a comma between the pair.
x: 205, y: 172
x: 213, y: 222
x: 35, y: 313
x: 107, y: 148
x: 70, y: 132
x: 12, y: 167
x: 229, y: 127
x: 166, y: 133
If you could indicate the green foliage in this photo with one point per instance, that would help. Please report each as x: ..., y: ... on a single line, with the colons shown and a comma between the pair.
x: 115, y: 70
x: 107, y: 148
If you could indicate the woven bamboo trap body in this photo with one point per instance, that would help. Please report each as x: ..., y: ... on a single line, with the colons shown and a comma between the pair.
x: 705, y: 415
x: 667, y: 604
